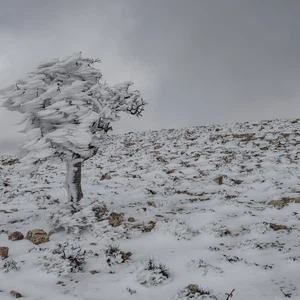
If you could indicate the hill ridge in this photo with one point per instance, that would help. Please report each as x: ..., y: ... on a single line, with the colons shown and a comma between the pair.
x: 217, y: 205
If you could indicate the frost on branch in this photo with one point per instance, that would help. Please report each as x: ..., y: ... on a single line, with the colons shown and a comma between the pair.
x: 67, y: 111
x: 80, y: 221
x: 177, y: 228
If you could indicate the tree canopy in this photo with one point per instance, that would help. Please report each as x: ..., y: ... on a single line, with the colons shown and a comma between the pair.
x: 67, y: 108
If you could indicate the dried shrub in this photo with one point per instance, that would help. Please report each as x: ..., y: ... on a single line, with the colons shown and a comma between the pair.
x: 10, y: 265
x: 115, y: 256
x: 64, y: 259
x: 153, y: 273
x: 194, y: 292
x: 203, y: 267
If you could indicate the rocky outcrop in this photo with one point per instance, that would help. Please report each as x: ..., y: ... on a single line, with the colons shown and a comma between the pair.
x: 16, y: 294
x: 37, y: 236
x: 16, y: 236
x: 115, y: 219
x: 4, y: 252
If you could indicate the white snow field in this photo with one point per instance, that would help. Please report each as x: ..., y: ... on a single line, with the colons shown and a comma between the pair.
x: 199, y: 202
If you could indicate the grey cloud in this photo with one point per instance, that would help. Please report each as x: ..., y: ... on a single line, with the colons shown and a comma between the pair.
x: 197, y: 62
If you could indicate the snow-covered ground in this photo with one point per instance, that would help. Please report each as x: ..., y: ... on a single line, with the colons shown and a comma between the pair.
x: 199, y: 198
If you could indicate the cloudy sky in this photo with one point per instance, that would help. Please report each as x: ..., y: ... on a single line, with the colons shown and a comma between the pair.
x: 196, y: 62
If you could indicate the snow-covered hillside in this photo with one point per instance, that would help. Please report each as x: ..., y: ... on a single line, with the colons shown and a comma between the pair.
x: 215, y: 206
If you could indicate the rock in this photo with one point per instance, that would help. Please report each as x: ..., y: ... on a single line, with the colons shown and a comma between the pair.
x: 16, y: 236
x: 226, y: 232
x: 125, y: 256
x: 282, y: 203
x: 150, y: 203
x: 115, y: 219
x: 237, y: 181
x: 10, y: 162
x: 277, y: 227
x: 105, y: 177
x: 93, y: 272
x: 131, y: 219
x: 5, y: 211
x: 151, y: 192
x: 170, y: 171
x: 159, y: 216
x: 16, y: 221
x: 129, y: 145
x: 193, y: 288
x: 161, y: 159
x: 277, y: 203
x: 4, y: 252
x: 16, y: 294
x: 136, y: 176
x: 220, y: 179
x: 37, y: 236
x: 149, y: 228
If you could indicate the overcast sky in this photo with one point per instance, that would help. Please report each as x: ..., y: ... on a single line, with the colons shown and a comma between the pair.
x: 196, y: 62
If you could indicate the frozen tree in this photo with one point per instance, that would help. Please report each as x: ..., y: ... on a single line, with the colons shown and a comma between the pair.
x: 67, y: 110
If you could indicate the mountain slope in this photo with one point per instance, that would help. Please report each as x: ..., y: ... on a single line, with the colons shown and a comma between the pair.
x: 197, y: 199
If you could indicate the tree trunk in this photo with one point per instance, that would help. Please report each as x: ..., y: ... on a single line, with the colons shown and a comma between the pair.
x: 73, y: 179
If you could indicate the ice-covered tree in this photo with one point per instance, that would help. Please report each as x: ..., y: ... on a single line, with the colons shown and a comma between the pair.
x: 67, y: 110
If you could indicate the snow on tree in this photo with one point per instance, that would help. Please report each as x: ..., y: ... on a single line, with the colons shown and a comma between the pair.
x: 67, y: 111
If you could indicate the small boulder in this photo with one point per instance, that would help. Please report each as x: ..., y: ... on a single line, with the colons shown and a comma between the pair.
x: 170, y: 171
x: 161, y: 159
x: 220, y: 179
x: 237, y: 181
x: 105, y: 177
x: 129, y: 144
x: 4, y: 252
x: 16, y: 294
x: 151, y: 203
x: 115, y: 219
x: 136, y: 176
x: 150, y: 227
x: 10, y: 162
x: 284, y: 202
x: 16, y: 236
x: 37, y: 236
x: 125, y: 256
x: 193, y: 288
x: 277, y: 203
x: 277, y: 227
